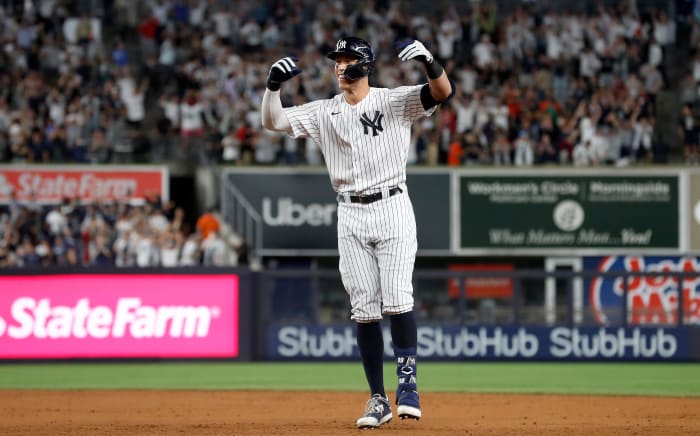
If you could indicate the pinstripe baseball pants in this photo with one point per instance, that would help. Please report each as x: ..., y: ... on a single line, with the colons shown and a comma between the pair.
x: 377, y: 246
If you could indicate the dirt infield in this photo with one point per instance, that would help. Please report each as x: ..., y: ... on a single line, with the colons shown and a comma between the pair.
x: 88, y: 412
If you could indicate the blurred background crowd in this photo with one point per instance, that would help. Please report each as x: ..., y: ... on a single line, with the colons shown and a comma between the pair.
x: 180, y: 82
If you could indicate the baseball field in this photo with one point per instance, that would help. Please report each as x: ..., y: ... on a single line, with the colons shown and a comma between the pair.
x: 231, y: 398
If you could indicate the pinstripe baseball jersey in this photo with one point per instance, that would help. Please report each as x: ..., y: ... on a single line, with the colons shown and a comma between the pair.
x: 365, y: 146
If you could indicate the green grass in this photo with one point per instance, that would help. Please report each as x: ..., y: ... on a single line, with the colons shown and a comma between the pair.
x: 663, y: 379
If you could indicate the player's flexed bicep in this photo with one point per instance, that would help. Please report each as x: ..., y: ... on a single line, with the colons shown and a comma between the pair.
x: 439, y: 87
x: 273, y: 117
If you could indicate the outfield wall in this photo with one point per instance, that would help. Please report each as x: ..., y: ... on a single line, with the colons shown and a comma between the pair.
x: 127, y: 314
x: 560, y: 211
x: 237, y: 314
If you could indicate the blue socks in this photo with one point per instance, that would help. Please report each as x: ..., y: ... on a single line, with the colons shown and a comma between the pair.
x: 370, y: 342
x: 404, y: 334
x: 371, y: 345
x: 406, y: 369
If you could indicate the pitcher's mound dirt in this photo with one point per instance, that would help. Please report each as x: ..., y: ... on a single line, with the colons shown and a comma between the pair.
x: 90, y: 412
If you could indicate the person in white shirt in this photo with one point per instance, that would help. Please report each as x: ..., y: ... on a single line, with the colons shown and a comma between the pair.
x: 170, y: 246
x: 192, y: 127
x: 56, y: 221
x: 134, y: 100
x: 484, y: 53
x: 524, y: 152
x: 190, y: 253
x: 581, y: 156
x: 147, y: 253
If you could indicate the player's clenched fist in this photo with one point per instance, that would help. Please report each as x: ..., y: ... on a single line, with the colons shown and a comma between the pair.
x: 414, y: 49
x: 281, y: 71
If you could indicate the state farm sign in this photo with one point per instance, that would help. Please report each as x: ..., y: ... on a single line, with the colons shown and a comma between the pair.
x: 50, y: 184
x: 119, y: 316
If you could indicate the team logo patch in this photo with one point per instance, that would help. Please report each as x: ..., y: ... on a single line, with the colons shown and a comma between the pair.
x: 650, y: 299
x: 374, y: 123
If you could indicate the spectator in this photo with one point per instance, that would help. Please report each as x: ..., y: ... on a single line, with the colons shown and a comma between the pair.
x: 124, y: 249
x: 192, y: 126
x: 642, y: 144
x: 56, y: 221
x: 582, y: 155
x: 689, y: 131
x: 190, y: 255
x: 455, y: 153
x: 145, y: 248
x: 120, y: 55
x: 523, y: 150
x: 170, y: 247
x: 214, y: 250
x: 207, y: 223
x: 545, y: 152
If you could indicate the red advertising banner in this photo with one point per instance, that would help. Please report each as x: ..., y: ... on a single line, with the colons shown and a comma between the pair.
x: 119, y: 316
x: 483, y: 286
x: 51, y: 184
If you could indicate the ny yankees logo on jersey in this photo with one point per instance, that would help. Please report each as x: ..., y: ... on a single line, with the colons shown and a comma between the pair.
x: 375, y: 123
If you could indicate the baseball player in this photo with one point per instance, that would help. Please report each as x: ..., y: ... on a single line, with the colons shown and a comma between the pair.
x: 364, y: 135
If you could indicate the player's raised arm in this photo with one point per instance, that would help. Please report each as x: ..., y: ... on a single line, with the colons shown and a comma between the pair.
x: 273, y: 117
x: 440, y: 86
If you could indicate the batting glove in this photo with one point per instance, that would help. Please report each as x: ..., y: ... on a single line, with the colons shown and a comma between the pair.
x: 281, y: 71
x: 414, y: 49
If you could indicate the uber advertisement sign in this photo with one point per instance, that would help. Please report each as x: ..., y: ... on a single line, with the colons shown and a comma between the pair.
x: 446, y: 342
x: 299, y: 208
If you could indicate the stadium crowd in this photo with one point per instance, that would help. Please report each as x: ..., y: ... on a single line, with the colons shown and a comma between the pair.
x: 181, y: 81
x: 130, y: 233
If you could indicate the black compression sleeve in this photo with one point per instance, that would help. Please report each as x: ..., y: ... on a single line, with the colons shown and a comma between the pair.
x: 434, y: 69
x: 426, y: 98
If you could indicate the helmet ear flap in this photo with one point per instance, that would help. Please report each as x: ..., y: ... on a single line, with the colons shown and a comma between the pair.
x: 358, y: 70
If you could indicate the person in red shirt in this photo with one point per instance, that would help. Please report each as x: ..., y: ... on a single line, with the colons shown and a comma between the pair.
x: 455, y: 153
x: 207, y: 223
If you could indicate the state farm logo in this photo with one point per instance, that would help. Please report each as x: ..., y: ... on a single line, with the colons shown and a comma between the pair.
x: 130, y: 317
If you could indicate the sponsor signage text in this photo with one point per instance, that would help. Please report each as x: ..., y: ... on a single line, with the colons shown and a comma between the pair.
x: 452, y: 342
x: 118, y: 316
x: 299, y: 210
x: 651, y: 299
x: 51, y: 184
x: 545, y: 212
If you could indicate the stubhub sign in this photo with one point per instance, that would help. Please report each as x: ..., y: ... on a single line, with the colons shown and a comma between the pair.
x: 118, y: 316
x: 491, y: 343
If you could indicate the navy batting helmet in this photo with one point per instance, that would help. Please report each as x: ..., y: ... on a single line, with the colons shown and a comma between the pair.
x: 358, y: 48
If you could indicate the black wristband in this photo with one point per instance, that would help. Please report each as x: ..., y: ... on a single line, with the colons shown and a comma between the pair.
x: 433, y: 69
x: 272, y: 85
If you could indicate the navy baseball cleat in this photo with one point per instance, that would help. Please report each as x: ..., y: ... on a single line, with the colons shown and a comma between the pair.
x: 409, y: 405
x: 377, y: 412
